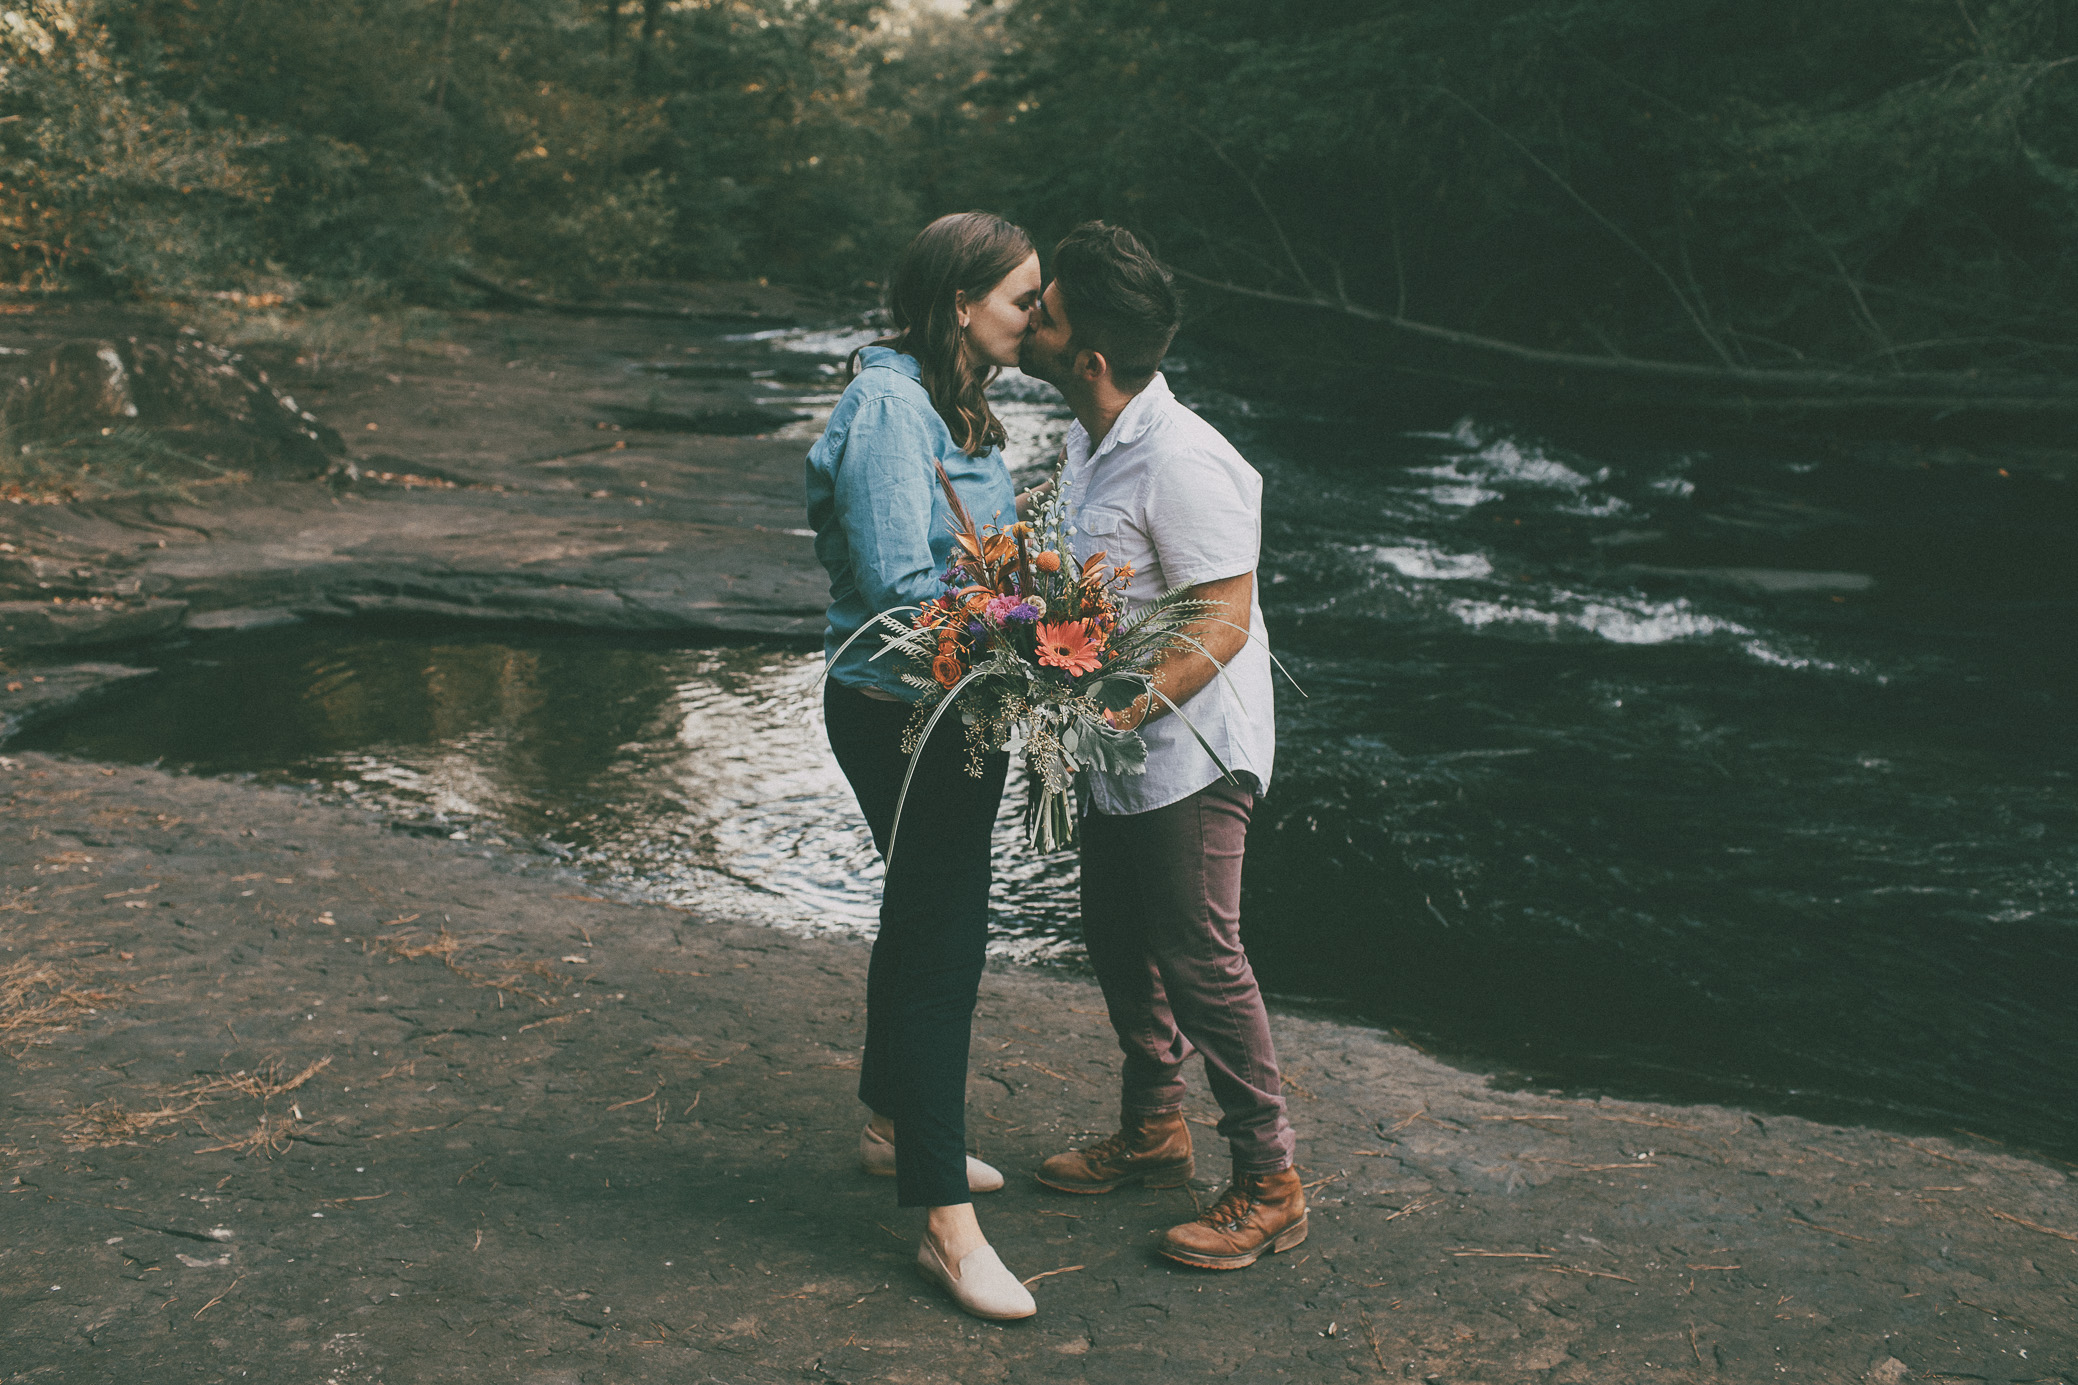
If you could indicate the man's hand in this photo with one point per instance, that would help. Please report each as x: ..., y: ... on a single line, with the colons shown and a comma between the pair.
x: 1027, y: 501
x: 1184, y: 672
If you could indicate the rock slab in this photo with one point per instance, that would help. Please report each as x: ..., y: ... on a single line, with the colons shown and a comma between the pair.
x: 28, y: 696
x: 77, y: 624
x: 287, y: 1087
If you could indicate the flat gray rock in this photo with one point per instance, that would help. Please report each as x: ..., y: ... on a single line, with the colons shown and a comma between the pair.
x: 30, y: 696
x: 76, y: 624
x: 286, y: 1085
x: 529, y: 474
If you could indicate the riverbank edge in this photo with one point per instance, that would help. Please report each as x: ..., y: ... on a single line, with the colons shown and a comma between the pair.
x: 478, y: 1066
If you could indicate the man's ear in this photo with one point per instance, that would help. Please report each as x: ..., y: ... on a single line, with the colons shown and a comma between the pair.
x: 1092, y: 366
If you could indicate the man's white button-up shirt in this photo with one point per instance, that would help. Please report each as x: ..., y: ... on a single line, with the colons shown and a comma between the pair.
x: 1168, y: 494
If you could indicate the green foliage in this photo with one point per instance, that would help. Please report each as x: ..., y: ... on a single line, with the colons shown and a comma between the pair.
x: 91, y: 464
x: 368, y: 146
x: 1889, y: 182
x: 100, y: 174
x: 1746, y: 182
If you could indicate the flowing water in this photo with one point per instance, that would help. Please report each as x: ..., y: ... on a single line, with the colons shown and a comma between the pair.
x: 1703, y: 773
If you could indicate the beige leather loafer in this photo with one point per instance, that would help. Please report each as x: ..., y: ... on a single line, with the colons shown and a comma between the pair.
x: 980, y: 1284
x: 877, y: 1157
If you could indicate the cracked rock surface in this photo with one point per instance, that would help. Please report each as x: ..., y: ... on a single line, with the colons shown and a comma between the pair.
x: 296, y: 1097
x: 492, y: 477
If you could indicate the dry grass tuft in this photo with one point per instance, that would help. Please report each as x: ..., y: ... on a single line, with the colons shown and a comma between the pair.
x: 38, y: 1000
x: 263, y: 1084
x: 270, y: 1136
x: 107, y: 1123
x: 410, y: 947
x: 507, y: 978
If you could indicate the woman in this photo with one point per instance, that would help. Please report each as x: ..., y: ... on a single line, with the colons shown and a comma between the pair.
x: 959, y: 300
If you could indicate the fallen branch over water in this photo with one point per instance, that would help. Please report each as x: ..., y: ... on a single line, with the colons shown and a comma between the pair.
x: 1750, y: 391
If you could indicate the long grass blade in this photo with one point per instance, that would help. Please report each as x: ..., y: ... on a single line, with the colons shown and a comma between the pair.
x: 910, y: 772
x: 871, y: 624
x: 1217, y: 666
x: 960, y: 516
x: 1229, y: 774
x: 1258, y: 639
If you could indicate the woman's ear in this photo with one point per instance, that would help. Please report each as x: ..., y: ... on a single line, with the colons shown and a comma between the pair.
x: 959, y: 306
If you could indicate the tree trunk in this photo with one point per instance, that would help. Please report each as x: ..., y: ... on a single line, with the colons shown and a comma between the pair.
x: 447, y: 61
x: 652, y: 14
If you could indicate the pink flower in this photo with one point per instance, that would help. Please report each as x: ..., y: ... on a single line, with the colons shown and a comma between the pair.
x: 1067, y: 646
x: 1004, y: 609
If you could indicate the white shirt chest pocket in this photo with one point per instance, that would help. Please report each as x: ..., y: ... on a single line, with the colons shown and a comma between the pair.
x: 1100, y: 529
x: 1102, y: 523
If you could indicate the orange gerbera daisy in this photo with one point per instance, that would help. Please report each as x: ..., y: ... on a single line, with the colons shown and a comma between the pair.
x: 1067, y: 646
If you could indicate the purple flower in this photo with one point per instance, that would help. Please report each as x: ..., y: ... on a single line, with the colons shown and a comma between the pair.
x: 1004, y: 609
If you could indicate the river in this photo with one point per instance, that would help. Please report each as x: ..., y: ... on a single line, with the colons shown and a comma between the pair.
x: 1735, y: 772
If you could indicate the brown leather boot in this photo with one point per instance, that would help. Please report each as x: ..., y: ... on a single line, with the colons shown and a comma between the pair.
x: 1152, y: 1150
x: 1257, y: 1213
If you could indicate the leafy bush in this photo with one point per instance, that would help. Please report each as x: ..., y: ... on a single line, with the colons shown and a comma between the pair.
x: 1891, y: 183
x: 1752, y: 182
x: 102, y: 176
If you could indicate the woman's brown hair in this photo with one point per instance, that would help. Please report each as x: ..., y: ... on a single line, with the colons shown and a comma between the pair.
x: 970, y: 253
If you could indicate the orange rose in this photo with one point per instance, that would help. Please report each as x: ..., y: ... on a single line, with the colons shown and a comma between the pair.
x: 946, y: 669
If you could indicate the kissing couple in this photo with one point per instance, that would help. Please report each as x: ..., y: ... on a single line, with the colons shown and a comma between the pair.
x: 1151, y: 485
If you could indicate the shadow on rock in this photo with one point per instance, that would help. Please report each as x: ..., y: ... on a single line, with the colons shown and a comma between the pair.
x: 91, y: 418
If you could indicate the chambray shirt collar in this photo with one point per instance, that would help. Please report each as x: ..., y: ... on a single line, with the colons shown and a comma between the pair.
x: 892, y: 359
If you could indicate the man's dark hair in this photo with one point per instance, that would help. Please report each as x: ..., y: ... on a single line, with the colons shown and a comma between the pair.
x: 1121, y: 301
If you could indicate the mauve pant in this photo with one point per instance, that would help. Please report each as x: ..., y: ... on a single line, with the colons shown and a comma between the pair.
x: 1161, y: 916
x: 926, y: 969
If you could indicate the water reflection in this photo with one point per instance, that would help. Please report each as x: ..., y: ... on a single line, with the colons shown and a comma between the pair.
x: 698, y: 777
x: 1728, y: 775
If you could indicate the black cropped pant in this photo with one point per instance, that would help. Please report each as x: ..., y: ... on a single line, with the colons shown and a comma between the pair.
x: 926, y: 968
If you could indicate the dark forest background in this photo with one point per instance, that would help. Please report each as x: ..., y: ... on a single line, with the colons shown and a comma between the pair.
x: 1885, y: 184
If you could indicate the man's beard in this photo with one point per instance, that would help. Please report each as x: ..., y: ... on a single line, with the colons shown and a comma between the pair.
x: 1041, y: 364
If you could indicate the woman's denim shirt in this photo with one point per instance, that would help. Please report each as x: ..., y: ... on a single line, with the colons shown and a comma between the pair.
x: 881, y: 523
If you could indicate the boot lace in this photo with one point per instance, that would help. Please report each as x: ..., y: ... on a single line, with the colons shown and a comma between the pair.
x: 1231, y: 1211
x: 1117, y: 1143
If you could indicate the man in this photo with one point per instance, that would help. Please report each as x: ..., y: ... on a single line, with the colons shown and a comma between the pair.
x: 1151, y: 484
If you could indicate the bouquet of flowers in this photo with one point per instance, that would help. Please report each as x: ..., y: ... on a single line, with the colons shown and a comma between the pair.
x: 1032, y: 649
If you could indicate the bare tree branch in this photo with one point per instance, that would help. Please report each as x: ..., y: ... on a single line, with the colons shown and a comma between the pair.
x: 1256, y: 193
x: 1688, y: 308
x: 1746, y: 388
